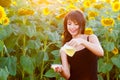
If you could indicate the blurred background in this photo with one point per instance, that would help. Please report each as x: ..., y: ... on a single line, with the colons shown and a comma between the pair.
x: 31, y: 33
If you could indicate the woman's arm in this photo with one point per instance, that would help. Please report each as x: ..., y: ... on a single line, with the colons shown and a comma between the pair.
x: 93, y: 45
x: 65, y: 66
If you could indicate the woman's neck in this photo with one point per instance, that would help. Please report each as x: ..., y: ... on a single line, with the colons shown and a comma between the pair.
x: 77, y: 36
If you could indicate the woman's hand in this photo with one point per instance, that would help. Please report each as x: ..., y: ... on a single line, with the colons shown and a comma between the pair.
x: 57, y: 68
x: 75, y: 42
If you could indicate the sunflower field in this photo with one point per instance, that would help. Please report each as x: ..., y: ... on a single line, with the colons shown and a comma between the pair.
x: 31, y: 33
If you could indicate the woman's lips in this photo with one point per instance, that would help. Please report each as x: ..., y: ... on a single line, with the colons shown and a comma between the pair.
x: 73, y: 31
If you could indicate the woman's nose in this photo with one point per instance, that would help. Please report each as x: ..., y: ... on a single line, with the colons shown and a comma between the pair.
x: 72, y: 25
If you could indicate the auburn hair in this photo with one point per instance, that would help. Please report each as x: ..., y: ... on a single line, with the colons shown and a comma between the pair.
x: 77, y: 16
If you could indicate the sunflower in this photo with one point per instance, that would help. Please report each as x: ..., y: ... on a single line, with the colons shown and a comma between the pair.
x: 14, y: 3
x: 88, y: 31
x: 115, y: 51
x: 118, y: 18
x: 61, y: 10
x: 116, y: 6
x: 98, y: 6
x: 71, y: 6
x: 23, y: 12
x: 72, y: 1
x: 2, y: 14
x: 107, y: 22
x: 82, y: 9
x: 6, y: 21
x: 46, y: 11
x: 92, y: 14
x: 108, y: 1
x: 62, y: 15
x: 5, y: 3
x: 42, y: 1
x: 87, y: 4
x: 92, y: 1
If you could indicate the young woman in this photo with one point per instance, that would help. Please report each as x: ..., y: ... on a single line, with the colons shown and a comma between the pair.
x: 83, y: 64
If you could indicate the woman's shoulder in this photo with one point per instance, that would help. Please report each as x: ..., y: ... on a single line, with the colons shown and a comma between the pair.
x: 91, y: 35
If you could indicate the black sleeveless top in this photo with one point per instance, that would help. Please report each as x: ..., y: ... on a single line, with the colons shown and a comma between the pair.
x: 83, y: 65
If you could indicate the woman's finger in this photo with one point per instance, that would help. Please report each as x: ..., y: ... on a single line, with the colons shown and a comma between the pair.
x: 58, y: 69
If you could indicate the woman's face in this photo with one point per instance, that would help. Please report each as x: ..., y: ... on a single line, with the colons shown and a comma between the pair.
x: 73, y: 28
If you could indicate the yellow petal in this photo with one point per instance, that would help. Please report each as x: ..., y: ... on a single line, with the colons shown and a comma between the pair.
x: 115, y: 51
x: 6, y: 21
x: 88, y: 31
x: 116, y: 6
x: 46, y: 11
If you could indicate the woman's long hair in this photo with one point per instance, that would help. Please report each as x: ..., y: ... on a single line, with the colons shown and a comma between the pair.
x: 77, y: 16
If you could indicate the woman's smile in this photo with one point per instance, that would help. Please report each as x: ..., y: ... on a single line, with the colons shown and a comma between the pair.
x: 73, y: 30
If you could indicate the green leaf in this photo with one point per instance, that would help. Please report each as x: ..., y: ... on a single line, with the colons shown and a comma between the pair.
x: 108, y: 46
x: 114, y: 35
x: 56, y: 53
x: 9, y: 30
x: 39, y: 58
x: 103, y: 66
x: 100, y: 63
x: 12, y: 39
x: 3, y: 34
x: 116, y: 60
x: 54, y: 36
x: 31, y: 31
x: 4, y: 73
x: 10, y: 63
x: 3, y: 62
x: 33, y: 44
x: 41, y: 36
x: 50, y: 73
x: 57, y: 61
x: 100, y: 77
x: 119, y: 75
x: 1, y: 45
x: 106, y: 67
x: 27, y: 64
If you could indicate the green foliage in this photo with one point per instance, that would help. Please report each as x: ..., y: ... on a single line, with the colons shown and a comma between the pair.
x: 1, y: 45
x: 109, y: 46
x: 104, y: 67
x: 31, y: 43
x: 50, y: 73
x: 100, y: 77
x: 27, y: 64
x: 116, y: 60
x: 4, y: 73
x: 10, y: 63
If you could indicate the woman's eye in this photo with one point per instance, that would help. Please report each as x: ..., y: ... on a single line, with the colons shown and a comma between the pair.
x: 69, y: 23
x: 76, y: 23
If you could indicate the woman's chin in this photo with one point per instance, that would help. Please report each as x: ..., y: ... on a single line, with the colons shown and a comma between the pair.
x: 73, y: 34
